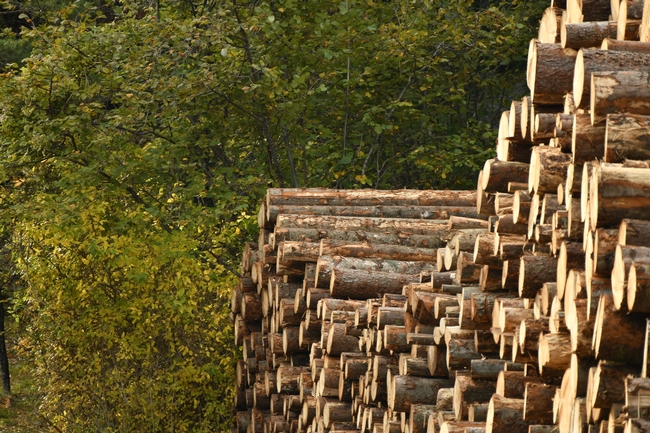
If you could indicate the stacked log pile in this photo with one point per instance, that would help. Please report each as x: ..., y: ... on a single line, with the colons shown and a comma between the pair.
x: 520, y: 307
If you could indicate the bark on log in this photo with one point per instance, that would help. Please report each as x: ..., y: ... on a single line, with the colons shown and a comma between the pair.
x: 547, y: 169
x: 534, y: 271
x: 369, y: 250
x: 586, y: 34
x: 538, y: 403
x: 468, y: 391
x: 357, y: 284
x: 626, y: 137
x: 406, y: 390
x: 505, y: 415
x: 550, y: 72
x: 366, y: 197
x: 402, y: 238
x: 630, y: 46
x: 512, y: 384
x: 589, y: 61
x: 618, y: 336
x: 588, y: 140
x: 497, y: 174
x: 396, y: 210
x: 618, y: 193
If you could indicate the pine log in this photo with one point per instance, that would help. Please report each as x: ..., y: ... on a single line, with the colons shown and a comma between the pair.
x: 505, y: 415
x: 367, y: 197
x: 549, y: 26
x: 547, y: 169
x: 586, y: 34
x: 534, y: 271
x: 497, y: 174
x: 338, y: 341
x: 406, y: 390
x: 589, y: 61
x: 512, y: 384
x: 507, y: 226
x: 468, y: 391
x: 359, y: 284
x: 370, y: 250
x: 618, y: 193
x: 550, y: 72
x: 622, y: 45
x: 460, y: 353
x: 554, y: 354
x: 588, y: 140
x: 387, y: 237
x: 618, y: 336
x: 380, y: 211
x: 626, y: 135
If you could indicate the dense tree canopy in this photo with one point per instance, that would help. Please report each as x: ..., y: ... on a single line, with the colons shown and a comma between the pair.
x: 137, y: 139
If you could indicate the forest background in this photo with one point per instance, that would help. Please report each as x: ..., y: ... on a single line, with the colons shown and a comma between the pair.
x: 137, y: 138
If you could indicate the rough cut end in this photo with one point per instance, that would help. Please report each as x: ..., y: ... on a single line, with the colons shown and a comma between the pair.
x: 531, y: 66
x: 631, y: 288
x: 578, y: 78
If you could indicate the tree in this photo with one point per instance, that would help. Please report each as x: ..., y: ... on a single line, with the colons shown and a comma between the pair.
x: 138, y: 139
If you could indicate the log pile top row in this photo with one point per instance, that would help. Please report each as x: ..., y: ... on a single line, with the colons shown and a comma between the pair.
x: 520, y: 307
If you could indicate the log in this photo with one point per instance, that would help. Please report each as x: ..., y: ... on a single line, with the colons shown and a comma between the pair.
x: 549, y: 26
x: 419, y: 417
x: 460, y: 353
x: 505, y: 415
x: 338, y: 341
x: 358, y: 284
x: 370, y: 250
x: 336, y: 412
x: 367, y: 197
x: 512, y: 384
x: 437, y: 361
x: 538, y: 403
x: 497, y: 174
x: 618, y: 336
x: 550, y: 72
x: 620, y: 91
x: 534, y: 271
x: 378, y: 211
x: 590, y: 60
x: 554, y: 354
x: 506, y: 226
x: 468, y: 391
x: 626, y: 136
x: 588, y: 140
x: 407, y: 390
x: 630, y: 46
x: 586, y: 34
x: 401, y: 238
x: 618, y: 193
x: 634, y: 232
x: 547, y: 169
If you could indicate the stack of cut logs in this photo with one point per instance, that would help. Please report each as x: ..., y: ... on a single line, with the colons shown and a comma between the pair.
x: 520, y: 307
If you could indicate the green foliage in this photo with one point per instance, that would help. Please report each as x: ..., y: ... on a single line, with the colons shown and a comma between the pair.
x: 138, y: 139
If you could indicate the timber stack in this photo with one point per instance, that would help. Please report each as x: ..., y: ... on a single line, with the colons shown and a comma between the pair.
x: 521, y: 307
